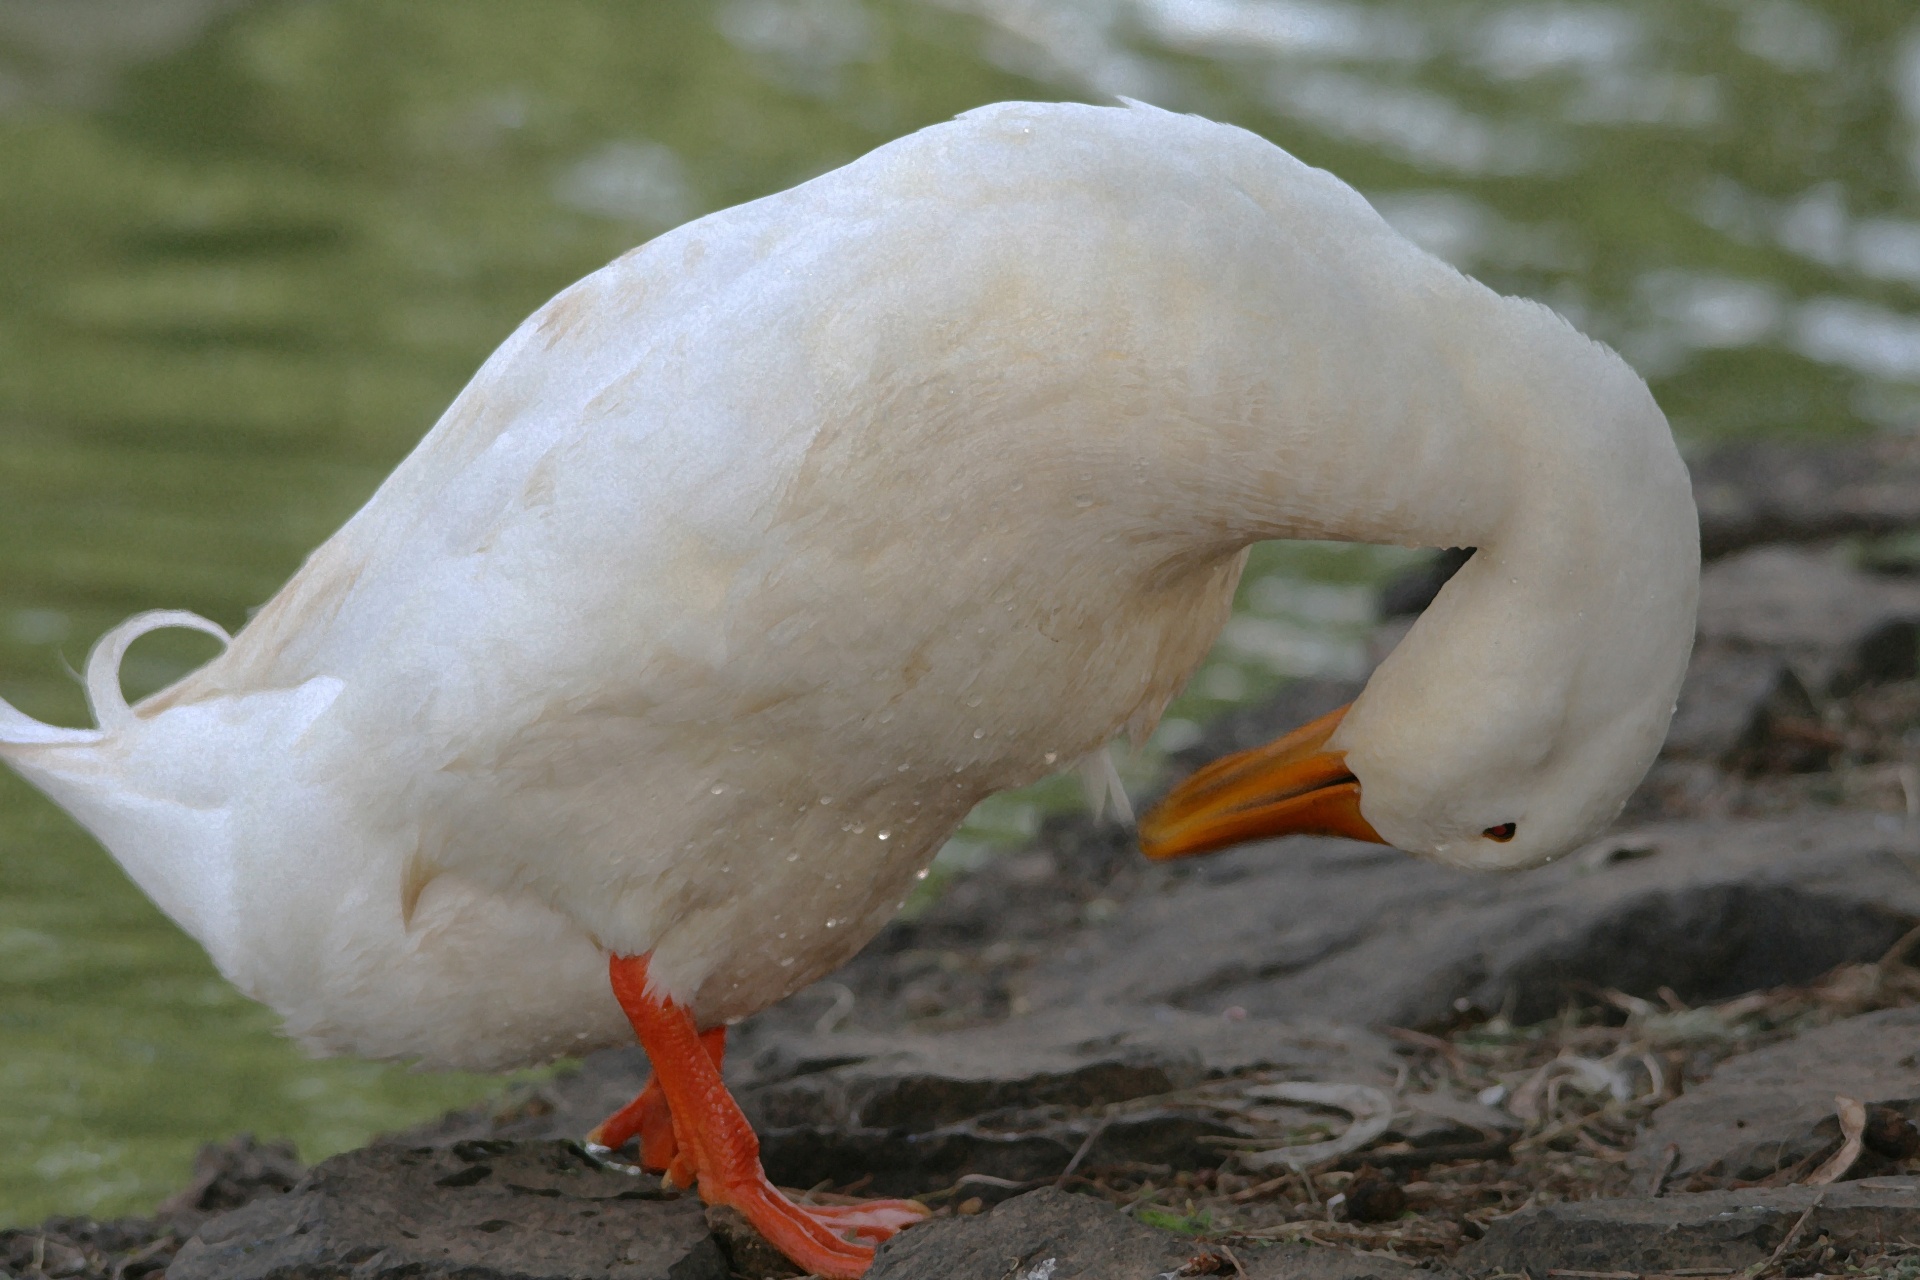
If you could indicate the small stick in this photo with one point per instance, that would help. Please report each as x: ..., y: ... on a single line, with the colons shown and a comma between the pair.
x: 987, y: 1179
x: 1086, y: 1145
x: 1268, y: 1187
x: 1788, y: 1243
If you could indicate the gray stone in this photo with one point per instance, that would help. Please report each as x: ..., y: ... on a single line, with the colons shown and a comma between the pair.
x: 1774, y: 492
x: 227, y: 1175
x: 1710, y: 1229
x: 83, y: 1249
x: 1731, y: 703
x: 1435, y: 1119
x: 476, y: 1210
x: 1015, y: 1100
x: 1773, y: 1108
x: 1051, y: 1235
x: 1839, y: 626
x: 1044, y: 1233
x: 1364, y: 934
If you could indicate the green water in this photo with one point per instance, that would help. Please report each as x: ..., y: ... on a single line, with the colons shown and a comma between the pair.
x: 249, y: 250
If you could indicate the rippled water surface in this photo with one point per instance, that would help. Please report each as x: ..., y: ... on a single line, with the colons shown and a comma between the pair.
x: 249, y: 250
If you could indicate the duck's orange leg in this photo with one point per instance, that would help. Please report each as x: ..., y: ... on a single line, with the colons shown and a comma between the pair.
x: 715, y: 1144
x: 648, y: 1118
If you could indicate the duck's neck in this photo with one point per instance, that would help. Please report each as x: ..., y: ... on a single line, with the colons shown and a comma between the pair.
x: 1562, y: 643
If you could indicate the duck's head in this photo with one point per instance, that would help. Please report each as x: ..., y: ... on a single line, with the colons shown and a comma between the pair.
x: 1515, y: 719
x: 1507, y: 784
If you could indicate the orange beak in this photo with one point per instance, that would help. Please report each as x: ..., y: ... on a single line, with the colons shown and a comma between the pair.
x: 1292, y: 787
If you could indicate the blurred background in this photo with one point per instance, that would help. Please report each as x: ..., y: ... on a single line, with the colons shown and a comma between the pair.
x: 249, y: 251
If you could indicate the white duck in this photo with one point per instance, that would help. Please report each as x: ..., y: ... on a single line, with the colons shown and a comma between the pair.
x: 751, y: 562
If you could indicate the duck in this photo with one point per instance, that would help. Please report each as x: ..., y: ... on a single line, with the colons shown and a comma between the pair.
x: 640, y: 693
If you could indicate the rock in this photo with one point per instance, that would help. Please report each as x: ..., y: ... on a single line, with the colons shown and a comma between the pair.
x: 83, y: 1249
x: 1839, y: 626
x: 1051, y: 1235
x: 1434, y: 1119
x: 475, y: 1210
x: 1044, y: 1233
x: 748, y: 1252
x: 1731, y: 1229
x: 1735, y: 708
x: 1773, y: 492
x: 1140, y: 1005
x: 1014, y: 1101
x: 1890, y: 1134
x: 1773, y: 1108
x: 227, y: 1175
x: 1018, y: 1101
x: 1365, y: 935
x: 1372, y: 1198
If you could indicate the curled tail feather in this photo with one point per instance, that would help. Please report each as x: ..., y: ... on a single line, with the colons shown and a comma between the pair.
x: 109, y: 704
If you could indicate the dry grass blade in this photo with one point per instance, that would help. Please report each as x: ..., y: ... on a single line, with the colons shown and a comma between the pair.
x: 1853, y: 1128
x: 1093, y: 1136
x: 1372, y: 1111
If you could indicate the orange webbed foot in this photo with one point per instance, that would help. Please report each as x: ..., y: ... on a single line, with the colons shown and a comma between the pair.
x: 874, y: 1220
x: 690, y: 1125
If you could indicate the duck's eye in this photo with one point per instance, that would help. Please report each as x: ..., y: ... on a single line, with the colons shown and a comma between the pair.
x: 1502, y: 833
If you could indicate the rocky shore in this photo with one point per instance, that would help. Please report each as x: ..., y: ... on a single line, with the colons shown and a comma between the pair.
x: 1692, y: 1048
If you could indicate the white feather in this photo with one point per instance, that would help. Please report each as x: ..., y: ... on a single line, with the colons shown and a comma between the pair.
x: 1101, y: 785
